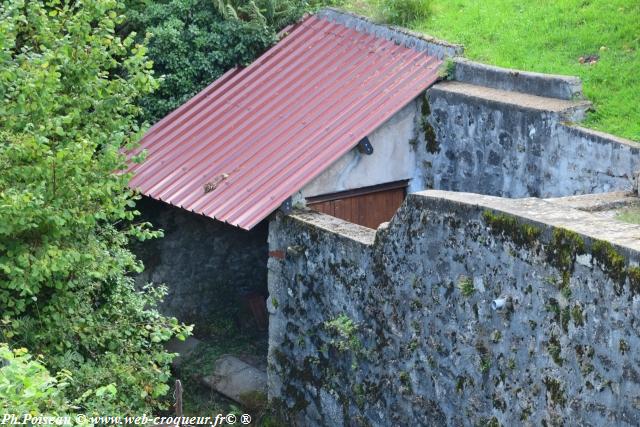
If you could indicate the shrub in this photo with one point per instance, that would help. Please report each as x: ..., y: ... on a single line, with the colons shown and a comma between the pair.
x: 27, y: 387
x: 402, y: 12
x: 191, y: 45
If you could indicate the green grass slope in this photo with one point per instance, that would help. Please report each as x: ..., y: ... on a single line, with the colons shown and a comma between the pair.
x: 550, y: 36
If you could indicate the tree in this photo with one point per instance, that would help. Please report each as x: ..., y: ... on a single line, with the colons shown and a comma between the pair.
x: 70, y: 87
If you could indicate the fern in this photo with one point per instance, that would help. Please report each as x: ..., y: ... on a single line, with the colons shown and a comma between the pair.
x: 270, y: 13
x: 252, y: 11
x: 230, y: 12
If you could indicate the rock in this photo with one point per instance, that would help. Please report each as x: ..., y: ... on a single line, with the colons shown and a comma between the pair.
x: 183, y: 348
x: 238, y: 381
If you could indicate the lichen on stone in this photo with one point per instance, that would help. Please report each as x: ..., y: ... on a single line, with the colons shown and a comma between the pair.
x: 634, y: 280
x: 623, y: 346
x: 554, y: 349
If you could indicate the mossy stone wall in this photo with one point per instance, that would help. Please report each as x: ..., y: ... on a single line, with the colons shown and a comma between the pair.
x: 420, y: 343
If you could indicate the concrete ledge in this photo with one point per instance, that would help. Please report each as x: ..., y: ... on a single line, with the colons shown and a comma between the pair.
x: 548, y: 85
x: 346, y: 229
x: 420, y: 42
x: 598, y: 202
x: 600, y: 137
x: 565, y: 109
x: 625, y: 236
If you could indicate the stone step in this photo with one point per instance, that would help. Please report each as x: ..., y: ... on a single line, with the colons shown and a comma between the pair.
x: 566, y: 110
x: 598, y: 202
x: 509, y: 79
x: 239, y: 381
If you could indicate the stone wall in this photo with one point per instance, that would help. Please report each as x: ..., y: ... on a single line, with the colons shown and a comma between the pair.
x: 396, y: 326
x: 205, y: 264
x: 511, y: 144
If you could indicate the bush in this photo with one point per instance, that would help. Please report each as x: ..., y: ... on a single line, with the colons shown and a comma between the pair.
x: 402, y: 12
x: 27, y: 387
x: 70, y: 87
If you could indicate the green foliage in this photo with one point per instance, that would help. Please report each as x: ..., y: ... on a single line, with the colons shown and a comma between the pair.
x: 447, y: 69
x: 192, y: 45
x: 562, y: 251
x: 555, y: 391
x: 485, y: 365
x: 273, y: 13
x: 70, y: 87
x: 576, y: 314
x: 550, y: 37
x: 344, y: 331
x: 555, y: 350
x: 612, y: 261
x: 634, y: 279
x: 27, y: 387
x: 465, y: 284
x: 509, y: 227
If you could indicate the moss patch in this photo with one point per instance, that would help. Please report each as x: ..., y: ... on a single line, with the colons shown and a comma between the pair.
x: 562, y: 250
x: 612, y: 262
x: 433, y: 146
x: 554, y: 349
x: 634, y: 279
x: 555, y: 391
x: 255, y: 400
x: 576, y: 314
x: 509, y: 227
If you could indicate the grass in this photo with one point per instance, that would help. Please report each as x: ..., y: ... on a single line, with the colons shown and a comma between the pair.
x: 630, y: 215
x: 548, y: 36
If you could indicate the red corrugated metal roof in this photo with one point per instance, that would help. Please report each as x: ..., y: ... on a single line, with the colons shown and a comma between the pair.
x: 242, y: 146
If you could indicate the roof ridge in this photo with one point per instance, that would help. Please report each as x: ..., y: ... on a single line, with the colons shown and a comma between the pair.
x: 421, y: 42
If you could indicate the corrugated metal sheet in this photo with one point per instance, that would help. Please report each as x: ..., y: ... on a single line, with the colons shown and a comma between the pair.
x: 242, y: 146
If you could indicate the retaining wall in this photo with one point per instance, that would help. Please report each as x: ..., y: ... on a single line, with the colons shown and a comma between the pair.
x: 395, y: 327
x: 515, y: 145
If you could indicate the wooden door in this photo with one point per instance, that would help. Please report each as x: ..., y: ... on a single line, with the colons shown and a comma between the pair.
x: 369, y: 206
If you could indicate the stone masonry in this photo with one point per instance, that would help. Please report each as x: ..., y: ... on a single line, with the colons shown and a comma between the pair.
x: 396, y: 326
